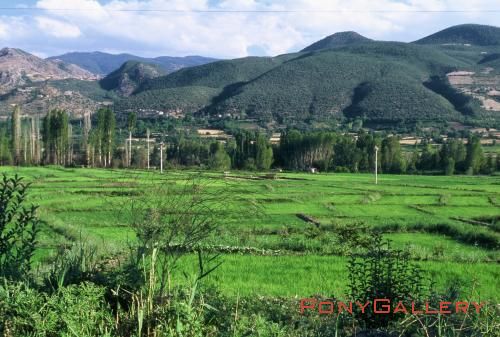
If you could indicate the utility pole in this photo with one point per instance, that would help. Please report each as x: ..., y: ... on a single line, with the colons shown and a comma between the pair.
x: 147, y: 135
x: 129, y: 159
x: 376, y: 164
x: 161, y: 157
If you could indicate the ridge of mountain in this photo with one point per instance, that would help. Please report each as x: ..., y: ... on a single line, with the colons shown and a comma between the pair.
x: 102, y: 64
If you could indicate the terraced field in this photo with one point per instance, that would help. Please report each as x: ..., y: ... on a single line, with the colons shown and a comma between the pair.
x: 449, y: 224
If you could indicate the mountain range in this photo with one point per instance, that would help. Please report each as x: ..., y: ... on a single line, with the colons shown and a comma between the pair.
x: 19, y: 68
x: 447, y: 76
x: 104, y: 63
x: 452, y: 75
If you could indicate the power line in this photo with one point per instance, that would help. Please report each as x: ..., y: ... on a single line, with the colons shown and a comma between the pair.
x: 264, y: 11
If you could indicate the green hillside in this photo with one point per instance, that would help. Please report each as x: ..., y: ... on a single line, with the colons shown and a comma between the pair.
x: 322, y: 85
x: 130, y: 76
x: 478, y: 35
x: 192, y: 98
x: 217, y: 74
x: 345, y: 76
x: 490, y: 58
x: 336, y: 40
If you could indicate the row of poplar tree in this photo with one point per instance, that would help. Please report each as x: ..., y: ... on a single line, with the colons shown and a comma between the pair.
x: 30, y: 140
x: 50, y: 140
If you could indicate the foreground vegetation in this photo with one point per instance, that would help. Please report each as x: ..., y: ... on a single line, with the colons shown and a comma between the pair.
x: 271, y: 241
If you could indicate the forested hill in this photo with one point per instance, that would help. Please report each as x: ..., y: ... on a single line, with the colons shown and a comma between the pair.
x: 343, y: 75
x: 130, y: 76
x: 478, y: 35
x: 336, y: 40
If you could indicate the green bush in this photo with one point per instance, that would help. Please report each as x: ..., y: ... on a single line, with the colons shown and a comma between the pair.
x: 384, y: 273
x: 18, y: 228
x: 77, y: 310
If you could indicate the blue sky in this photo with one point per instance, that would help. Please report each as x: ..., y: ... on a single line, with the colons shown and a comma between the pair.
x: 104, y: 25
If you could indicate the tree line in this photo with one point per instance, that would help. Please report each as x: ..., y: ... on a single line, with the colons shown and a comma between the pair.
x: 51, y: 141
x: 329, y: 151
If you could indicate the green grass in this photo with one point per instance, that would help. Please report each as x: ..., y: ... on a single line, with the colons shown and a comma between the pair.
x: 326, y: 275
x: 426, y: 214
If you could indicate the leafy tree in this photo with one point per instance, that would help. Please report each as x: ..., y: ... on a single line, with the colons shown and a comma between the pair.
x: 346, y: 154
x: 219, y: 160
x: 300, y: 151
x: 453, y: 149
x: 244, y: 148
x: 56, y: 137
x: 474, y: 157
x: 5, y: 149
x: 391, y: 158
x: 489, y: 165
x: 450, y: 166
x: 85, y: 143
x: 427, y: 160
x: 264, y: 153
x: 104, y: 137
x: 366, y: 143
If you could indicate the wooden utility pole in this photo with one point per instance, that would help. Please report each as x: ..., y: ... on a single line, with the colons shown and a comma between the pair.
x: 161, y: 157
x: 147, y: 135
x: 376, y: 165
x: 129, y: 159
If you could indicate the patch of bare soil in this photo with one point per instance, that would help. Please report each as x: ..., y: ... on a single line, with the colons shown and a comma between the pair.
x: 460, y: 77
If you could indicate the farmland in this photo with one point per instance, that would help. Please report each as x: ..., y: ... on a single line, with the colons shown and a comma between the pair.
x: 448, y: 224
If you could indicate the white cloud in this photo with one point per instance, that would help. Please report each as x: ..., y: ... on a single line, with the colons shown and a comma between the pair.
x: 57, y: 28
x: 88, y: 9
x: 3, y: 31
x: 94, y: 25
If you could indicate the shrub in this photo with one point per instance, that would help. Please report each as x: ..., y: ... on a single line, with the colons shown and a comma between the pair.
x: 384, y: 273
x: 72, y: 266
x: 18, y: 229
x: 77, y: 310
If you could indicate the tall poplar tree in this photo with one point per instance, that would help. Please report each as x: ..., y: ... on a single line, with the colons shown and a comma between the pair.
x: 474, y: 157
x: 131, y: 120
x: 264, y: 153
x: 87, y: 125
x: 16, y: 134
x: 106, y: 124
x: 56, y: 137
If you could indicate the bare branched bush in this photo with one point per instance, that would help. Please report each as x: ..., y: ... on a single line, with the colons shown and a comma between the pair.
x: 175, y: 218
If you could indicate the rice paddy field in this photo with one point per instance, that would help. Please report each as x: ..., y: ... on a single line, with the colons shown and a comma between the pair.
x: 282, y: 230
